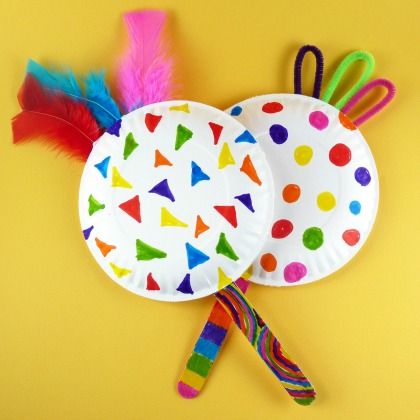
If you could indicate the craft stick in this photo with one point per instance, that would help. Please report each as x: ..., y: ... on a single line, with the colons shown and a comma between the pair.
x: 266, y: 344
x: 339, y: 72
x: 391, y: 90
x: 207, y: 348
x: 318, y: 71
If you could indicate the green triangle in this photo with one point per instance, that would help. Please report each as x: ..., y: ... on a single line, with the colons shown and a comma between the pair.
x: 183, y: 134
x: 130, y: 145
x: 94, y: 205
x: 223, y: 247
x: 146, y: 252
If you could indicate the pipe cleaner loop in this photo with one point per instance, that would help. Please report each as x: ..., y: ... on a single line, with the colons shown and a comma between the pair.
x: 318, y: 71
x: 391, y: 90
x: 341, y: 69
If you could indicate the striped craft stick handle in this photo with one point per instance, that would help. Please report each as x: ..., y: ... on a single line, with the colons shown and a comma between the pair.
x: 207, y: 348
x: 266, y: 344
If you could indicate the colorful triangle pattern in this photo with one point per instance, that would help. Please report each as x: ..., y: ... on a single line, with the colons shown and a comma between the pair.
x: 225, y: 248
x: 200, y: 227
x: 151, y: 283
x: 94, y: 205
x: 130, y: 145
x: 152, y: 121
x: 102, y: 166
x: 249, y: 169
x: 183, y: 108
x: 185, y: 285
x: 229, y: 213
x: 168, y: 219
x: 224, y: 280
x: 225, y: 157
x: 183, y: 134
x: 146, y: 252
x: 161, y: 160
x: 118, y: 180
x: 246, y: 200
x: 104, y: 247
x: 216, y: 130
x: 245, y: 137
x: 119, y: 271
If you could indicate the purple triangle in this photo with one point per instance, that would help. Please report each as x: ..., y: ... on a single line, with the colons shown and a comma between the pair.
x: 115, y: 128
x: 246, y: 200
x: 86, y: 232
x: 163, y: 189
x: 185, y: 286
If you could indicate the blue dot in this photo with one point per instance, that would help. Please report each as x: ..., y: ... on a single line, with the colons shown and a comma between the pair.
x: 355, y: 207
x: 236, y: 110
x: 362, y: 176
x: 278, y: 133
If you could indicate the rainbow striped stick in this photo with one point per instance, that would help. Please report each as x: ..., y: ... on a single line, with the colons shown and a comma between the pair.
x: 207, y: 348
x: 237, y: 306
x: 266, y: 344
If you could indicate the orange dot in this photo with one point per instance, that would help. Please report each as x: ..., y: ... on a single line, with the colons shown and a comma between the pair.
x: 268, y: 262
x: 291, y: 193
x: 346, y: 122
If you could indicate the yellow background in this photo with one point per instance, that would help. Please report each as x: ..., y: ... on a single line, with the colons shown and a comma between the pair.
x: 73, y: 345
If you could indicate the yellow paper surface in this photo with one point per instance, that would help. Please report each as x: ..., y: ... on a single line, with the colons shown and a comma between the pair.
x: 76, y: 346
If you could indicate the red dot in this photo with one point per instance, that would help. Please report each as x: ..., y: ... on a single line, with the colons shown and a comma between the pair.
x: 272, y: 107
x: 281, y: 229
x: 340, y: 154
x: 351, y: 237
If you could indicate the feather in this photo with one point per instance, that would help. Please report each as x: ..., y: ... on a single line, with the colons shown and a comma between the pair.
x: 63, y: 81
x: 62, y: 122
x: 97, y: 98
x: 100, y: 101
x: 145, y: 72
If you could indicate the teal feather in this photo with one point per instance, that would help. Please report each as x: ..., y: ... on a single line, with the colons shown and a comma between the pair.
x: 97, y: 96
x: 100, y: 101
x: 63, y: 81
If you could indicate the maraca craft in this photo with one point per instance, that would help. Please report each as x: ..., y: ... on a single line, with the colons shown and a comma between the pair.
x: 326, y: 184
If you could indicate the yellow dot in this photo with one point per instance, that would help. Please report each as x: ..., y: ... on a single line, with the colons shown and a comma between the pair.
x: 326, y: 201
x: 303, y: 155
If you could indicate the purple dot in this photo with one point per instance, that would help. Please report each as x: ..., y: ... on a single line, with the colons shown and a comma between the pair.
x: 294, y: 272
x: 362, y: 176
x: 318, y: 120
x: 278, y: 133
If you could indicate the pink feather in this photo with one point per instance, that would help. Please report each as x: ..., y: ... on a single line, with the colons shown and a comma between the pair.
x: 145, y: 71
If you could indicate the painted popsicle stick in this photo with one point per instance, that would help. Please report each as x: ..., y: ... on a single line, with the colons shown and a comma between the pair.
x: 266, y: 344
x: 207, y: 348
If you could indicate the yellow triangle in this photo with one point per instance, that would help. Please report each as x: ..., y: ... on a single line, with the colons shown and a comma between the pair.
x: 183, y: 108
x: 168, y: 219
x: 119, y: 271
x: 118, y: 180
x: 225, y: 157
x: 224, y: 280
x: 248, y: 273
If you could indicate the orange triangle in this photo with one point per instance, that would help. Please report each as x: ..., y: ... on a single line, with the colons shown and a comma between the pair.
x: 248, y: 168
x: 104, y: 247
x: 161, y: 160
x: 200, y: 227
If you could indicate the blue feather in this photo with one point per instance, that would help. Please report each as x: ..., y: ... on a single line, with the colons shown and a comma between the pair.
x: 100, y: 101
x: 64, y: 81
x: 97, y: 97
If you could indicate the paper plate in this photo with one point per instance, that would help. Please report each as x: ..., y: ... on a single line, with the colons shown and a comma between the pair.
x: 325, y: 186
x: 175, y: 200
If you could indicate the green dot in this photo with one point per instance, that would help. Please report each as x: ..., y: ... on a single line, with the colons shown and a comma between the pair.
x: 313, y: 238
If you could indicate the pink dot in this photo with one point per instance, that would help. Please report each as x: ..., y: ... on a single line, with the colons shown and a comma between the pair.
x: 318, y: 120
x: 294, y: 272
x: 351, y: 236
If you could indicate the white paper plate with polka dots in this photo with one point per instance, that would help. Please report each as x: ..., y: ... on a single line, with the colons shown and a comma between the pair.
x: 325, y: 186
x: 176, y: 200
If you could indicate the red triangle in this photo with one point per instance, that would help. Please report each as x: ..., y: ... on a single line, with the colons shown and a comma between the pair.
x: 229, y: 213
x: 217, y: 130
x: 132, y: 208
x: 152, y: 121
x: 161, y: 160
x: 151, y: 283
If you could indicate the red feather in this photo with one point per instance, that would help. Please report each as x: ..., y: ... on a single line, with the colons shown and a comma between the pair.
x: 60, y: 121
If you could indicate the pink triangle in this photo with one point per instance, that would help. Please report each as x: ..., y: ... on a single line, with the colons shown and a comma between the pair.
x: 217, y: 130
x: 132, y: 208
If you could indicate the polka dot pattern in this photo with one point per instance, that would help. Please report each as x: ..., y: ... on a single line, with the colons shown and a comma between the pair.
x: 325, y: 182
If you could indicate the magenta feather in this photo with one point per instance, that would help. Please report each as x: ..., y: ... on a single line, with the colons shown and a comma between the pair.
x: 145, y: 72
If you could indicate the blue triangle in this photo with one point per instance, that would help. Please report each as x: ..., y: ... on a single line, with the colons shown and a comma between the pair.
x: 163, y: 189
x: 197, y: 174
x: 246, y: 200
x: 86, y: 232
x: 195, y: 256
x: 245, y: 137
x: 102, y: 167
x: 185, y: 286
